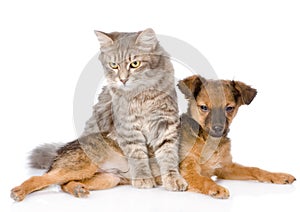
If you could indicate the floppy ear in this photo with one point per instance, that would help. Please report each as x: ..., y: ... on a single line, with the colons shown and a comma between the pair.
x: 191, y: 86
x: 244, y: 92
x: 147, y: 37
x: 104, y: 38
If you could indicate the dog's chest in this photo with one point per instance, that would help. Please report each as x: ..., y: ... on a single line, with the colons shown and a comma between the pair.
x: 210, y: 157
x: 218, y: 159
x: 213, y: 162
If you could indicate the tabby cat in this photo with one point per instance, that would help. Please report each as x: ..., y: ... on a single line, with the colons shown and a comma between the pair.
x: 138, y: 107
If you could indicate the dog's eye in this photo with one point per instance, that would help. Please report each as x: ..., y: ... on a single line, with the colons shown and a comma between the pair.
x: 204, y: 108
x: 229, y: 109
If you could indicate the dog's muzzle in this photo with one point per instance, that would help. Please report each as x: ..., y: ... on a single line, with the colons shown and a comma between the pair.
x: 217, y: 130
x: 218, y: 122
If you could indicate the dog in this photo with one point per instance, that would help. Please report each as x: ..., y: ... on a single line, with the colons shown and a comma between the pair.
x: 205, y: 147
x: 96, y: 162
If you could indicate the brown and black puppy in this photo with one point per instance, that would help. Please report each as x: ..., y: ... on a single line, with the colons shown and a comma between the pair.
x: 205, y: 148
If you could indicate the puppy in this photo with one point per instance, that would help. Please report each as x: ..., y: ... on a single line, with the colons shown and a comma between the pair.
x: 205, y: 147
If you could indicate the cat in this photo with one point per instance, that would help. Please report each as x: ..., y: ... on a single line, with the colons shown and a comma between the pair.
x: 137, y: 109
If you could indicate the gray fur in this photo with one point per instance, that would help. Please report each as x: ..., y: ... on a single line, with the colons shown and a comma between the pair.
x: 138, y: 107
x: 43, y: 156
x: 101, y: 120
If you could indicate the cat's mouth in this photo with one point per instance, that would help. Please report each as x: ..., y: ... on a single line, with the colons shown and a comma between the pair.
x: 123, y: 83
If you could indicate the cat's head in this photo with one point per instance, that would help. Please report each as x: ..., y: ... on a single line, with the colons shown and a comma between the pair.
x: 127, y: 58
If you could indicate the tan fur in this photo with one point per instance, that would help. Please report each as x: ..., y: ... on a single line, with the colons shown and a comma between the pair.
x: 76, y: 172
x: 202, y: 155
x: 198, y: 170
x: 97, y: 182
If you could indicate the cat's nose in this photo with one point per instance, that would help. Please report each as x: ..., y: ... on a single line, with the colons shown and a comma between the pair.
x: 124, y: 81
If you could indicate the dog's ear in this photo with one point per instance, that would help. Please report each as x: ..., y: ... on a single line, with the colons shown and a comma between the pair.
x: 243, y: 92
x: 191, y: 86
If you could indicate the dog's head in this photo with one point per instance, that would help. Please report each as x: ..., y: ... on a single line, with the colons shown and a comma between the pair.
x: 214, y: 103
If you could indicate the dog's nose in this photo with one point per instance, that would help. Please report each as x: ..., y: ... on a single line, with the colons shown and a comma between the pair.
x: 218, y: 129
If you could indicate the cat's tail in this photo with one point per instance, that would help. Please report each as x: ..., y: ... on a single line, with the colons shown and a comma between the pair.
x: 43, y: 156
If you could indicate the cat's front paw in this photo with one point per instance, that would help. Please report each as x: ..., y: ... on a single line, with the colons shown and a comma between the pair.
x: 174, y: 182
x: 144, y: 183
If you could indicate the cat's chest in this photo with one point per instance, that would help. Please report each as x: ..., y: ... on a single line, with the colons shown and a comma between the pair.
x: 123, y: 106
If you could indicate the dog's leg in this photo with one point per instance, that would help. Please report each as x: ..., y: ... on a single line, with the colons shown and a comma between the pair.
x: 72, y: 163
x: 205, y: 185
x: 54, y: 176
x: 238, y: 172
x: 198, y: 183
x: 99, y: 181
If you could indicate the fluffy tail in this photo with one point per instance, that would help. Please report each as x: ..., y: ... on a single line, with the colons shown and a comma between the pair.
x: 43, y: 156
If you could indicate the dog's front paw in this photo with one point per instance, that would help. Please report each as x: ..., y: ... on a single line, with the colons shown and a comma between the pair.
x: 174, y: 182
x: 219, y: 192
x: 144, y: 183
x: 18, y: 194
x: 279, y: 178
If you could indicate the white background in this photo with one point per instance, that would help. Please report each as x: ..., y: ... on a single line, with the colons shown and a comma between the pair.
x: 44, y: 47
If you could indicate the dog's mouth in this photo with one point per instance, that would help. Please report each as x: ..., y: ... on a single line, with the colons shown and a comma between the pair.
x: 215, y: 135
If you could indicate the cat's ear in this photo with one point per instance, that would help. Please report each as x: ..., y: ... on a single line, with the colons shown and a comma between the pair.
x: 103, y: 38
x: 147, y: 37
x: 191, y: 86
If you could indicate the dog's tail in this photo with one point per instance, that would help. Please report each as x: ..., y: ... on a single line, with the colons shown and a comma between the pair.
x: 43, y: 156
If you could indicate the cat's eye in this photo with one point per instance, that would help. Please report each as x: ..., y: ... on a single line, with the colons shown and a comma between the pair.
x: 204, y: 108
x: 113, y: 65
x: 135, y: 64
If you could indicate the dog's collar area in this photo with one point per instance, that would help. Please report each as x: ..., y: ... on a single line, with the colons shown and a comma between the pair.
x: 210, y: 144
x: 209, y: 148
